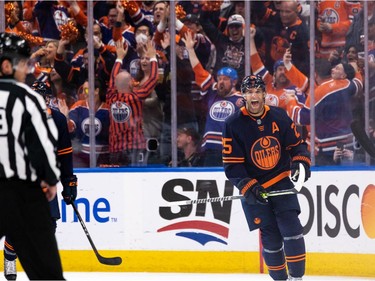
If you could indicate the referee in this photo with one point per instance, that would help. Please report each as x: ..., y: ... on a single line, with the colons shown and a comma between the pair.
x: 28, y: 166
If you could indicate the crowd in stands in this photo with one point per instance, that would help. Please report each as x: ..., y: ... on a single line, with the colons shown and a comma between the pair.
x: 133, y: 98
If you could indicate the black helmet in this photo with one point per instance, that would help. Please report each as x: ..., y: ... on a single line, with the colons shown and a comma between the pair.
x: 44, y: 89
x: 13, y: 48
x: 252, y: 81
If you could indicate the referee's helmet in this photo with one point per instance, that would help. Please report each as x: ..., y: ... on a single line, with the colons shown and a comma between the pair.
x: 13, y: 48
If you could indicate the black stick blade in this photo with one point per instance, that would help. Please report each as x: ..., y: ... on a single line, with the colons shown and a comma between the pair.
x: 110, y: 261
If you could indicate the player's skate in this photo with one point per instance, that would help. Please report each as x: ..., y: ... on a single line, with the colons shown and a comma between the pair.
x: 10, y: 271
x: 294, y: 278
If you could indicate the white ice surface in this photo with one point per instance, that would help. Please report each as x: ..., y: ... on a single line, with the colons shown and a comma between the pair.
x: 93, y: 276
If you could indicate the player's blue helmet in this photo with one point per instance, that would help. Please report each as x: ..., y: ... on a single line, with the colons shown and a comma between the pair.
x: 228, y: 71
x: 252, y: 81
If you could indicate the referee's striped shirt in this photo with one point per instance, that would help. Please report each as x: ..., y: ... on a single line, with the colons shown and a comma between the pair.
x: 28, y: 135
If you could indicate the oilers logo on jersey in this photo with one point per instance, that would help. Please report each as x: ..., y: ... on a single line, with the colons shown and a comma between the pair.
x: 85, y: 126
x: 60, y: 16
x: 120, y: 111
x: 265, y: 153
x: 220, y: 110
x: 272, y: 99
x: 330, y: 16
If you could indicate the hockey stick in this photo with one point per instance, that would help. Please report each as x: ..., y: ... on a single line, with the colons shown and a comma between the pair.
x: 101, y: 259
x: 298, y: 184
x: 363, y: 139
x: 207, y: 200
x: 230, y: 198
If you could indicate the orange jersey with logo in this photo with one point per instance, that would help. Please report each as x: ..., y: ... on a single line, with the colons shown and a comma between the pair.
x: 339, y: 15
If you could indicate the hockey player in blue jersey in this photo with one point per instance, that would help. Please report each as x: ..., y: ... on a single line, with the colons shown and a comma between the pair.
x: 68, y: 179
x: 261, y: 148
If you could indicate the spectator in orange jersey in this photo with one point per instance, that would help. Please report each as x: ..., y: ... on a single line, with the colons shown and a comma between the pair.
x: 126, y: 138
x: 334, y: 19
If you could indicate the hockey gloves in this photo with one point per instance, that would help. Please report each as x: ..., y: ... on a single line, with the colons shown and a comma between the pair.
x: 69, y: 192
x: 295, y: 170
x: 253, y: 192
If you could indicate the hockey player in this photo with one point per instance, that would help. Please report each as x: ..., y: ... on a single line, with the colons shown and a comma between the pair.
x: 68, y: 179
x: 261, y: 148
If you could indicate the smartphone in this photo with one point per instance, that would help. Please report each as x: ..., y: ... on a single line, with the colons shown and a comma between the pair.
x: 340, y: 50
x: 340, y: 145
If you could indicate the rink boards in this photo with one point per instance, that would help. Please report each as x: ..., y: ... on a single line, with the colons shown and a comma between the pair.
x: 126, y: 213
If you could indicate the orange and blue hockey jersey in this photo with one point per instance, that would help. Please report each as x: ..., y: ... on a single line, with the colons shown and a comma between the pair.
x: 339, y: 14
x: 332, y: 107
x: 333, y: 113
x: 261, y: 148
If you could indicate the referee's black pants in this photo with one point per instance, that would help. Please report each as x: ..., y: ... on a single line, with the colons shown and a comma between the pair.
x: 25, y: 218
